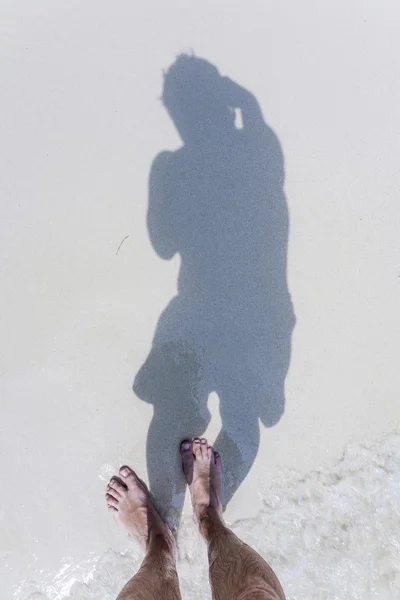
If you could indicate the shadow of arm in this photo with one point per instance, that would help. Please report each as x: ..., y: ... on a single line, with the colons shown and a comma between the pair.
x: 239, y: 97
x: 160, y: 215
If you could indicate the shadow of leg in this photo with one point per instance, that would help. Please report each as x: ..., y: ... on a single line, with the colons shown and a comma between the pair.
x: 238, y: 443
x: 171, y: 379
x: 166, y: 481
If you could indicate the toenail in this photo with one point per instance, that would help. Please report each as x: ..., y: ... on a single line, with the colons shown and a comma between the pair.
x: 124, y: 472
x: 186, y: 446
x: 196, y: 441
x: 203, y: 441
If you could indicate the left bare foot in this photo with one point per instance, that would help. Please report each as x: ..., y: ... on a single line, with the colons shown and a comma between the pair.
x: 129, y: 501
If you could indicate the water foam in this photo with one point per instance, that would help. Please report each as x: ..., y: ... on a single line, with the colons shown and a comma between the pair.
x: 333, y: 534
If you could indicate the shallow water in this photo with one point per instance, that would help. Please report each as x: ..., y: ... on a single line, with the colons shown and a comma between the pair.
x: 332, y: 534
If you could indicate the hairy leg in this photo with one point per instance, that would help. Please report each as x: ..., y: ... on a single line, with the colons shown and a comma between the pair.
x: 129, y: 501
x: 237, y: 572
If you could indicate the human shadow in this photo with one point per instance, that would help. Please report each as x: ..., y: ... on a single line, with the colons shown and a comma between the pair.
x: 219, y: 202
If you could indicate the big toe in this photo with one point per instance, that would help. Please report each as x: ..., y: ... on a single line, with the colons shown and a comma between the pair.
x: 186, y: 450
x: 129, y: 477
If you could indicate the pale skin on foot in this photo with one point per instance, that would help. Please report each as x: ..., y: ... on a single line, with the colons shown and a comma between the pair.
x: 236, y: 571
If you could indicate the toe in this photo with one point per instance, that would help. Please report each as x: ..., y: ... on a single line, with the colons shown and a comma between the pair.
x: 113, y: 492
x: 197, y: 448
x: 128, y: 477
x: 203, y: 446
x: 117, y: 488
x: 112, y: 509
x: 187, y: 459
x: 210, y: 452
x: 111, y: 500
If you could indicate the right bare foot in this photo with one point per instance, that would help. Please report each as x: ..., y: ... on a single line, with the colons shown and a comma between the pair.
x: 128, y: 499
x: 203, y: 471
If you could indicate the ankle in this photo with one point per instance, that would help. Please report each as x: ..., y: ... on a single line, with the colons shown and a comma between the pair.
x: 161, y: 538
x: 210, y: 522
x: 161, y: 546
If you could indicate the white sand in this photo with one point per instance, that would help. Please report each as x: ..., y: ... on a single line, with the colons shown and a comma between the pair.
x: 82, y: 124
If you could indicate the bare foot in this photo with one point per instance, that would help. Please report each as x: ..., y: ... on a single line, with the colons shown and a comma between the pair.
x: 129, y: 501
x: 203, y: 471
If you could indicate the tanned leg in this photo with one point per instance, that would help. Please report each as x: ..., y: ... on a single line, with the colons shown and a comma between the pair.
x: 129, y: 502
x: 237, y: 572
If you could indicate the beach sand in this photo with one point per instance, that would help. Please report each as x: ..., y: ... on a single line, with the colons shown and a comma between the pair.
x: 83, y: 290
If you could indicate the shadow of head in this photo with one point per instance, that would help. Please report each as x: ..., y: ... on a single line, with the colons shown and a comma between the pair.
x: 194, y: 95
